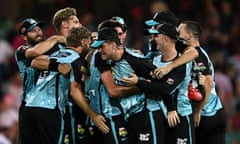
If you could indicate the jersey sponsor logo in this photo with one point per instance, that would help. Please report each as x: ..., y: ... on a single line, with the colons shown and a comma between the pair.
x: 81, y: 131
x: 182, y: 141
x: 122, y: 132
x: 170, y: 81
x: 83, y: 69
x: 144, y: 137
x: 66, y: 139
x: 24, y: 47
x: 91, y: 131
x: 83, y: 77
x: 201, y: 66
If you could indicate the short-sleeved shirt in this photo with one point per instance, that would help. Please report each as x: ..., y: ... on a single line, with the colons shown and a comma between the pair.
x: 52, y: 88
x: 130, y: 104
x: 205, y: 66
x: 175, y: 84
x: 27, y: 73
x: 142, y: 68
x: 99, y: 98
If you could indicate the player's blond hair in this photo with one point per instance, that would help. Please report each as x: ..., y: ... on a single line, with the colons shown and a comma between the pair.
x: 62, y: 15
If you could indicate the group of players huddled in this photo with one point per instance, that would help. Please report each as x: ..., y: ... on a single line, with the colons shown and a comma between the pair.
x: 80, y: 89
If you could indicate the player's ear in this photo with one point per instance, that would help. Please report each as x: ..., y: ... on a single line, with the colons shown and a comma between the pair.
x: 64, y: 23
x: 82, y: 41
x: 165, y: 38
x: 86, y: 42
x: 189, y: 36
x: 24, y: 37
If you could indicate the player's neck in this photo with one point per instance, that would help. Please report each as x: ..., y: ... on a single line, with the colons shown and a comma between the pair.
x: 63, y: 32
x: 78, y: 49
x: 194, y: 43
x: 169, y: 53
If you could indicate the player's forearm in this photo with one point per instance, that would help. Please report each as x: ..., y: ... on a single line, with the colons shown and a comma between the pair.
x: 207, y: 88
x: 41, y: 47
x: 188, y: 55
x: 83, y: 104
x: 40, y: 63
x: 116, y: 90
x: 121, y: 91
x: 79, y: 98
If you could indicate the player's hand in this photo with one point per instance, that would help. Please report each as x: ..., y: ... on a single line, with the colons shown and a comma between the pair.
x: 160, y: 72
x: 64, y: 69
x: 201, y: 79
x: 100, y: 121
x: 61, y: 39
x: 57, y: 39
x: 196, y: 118
x: 173, y: 118
x: 133, y: 80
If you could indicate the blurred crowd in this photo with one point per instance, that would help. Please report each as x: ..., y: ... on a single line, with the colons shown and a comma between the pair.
x: 220, y: 21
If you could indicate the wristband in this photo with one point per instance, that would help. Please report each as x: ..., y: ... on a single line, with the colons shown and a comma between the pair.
x: 53, y: 65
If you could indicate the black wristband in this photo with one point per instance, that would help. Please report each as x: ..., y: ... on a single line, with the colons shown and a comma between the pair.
x: 53, y: 65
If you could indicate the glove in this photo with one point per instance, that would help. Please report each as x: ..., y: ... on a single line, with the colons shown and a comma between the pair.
x: 101, y: 64
x: 194, y: 94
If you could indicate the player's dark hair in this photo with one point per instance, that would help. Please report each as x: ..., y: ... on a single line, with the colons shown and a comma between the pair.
x: 109, y: 23
x: 193, y: 27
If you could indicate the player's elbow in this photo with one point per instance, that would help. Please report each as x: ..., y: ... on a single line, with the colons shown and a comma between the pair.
x: 194, y: 53
x: 114, y: 93
x: 36, y: 53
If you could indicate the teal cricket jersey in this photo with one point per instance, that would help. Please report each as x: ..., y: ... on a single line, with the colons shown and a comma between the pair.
x: 52, y: 88
x: 130, y: 104
x: 99, y: 98
x: 136, y: 59
x: 27, y: 73
x: 205, y: 66
x: 179, y: 78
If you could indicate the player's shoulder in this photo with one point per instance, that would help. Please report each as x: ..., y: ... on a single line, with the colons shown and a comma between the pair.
x: 23, y: 47
x: 181, y: 45
x: 65, y: 55
x: 20, y: 52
